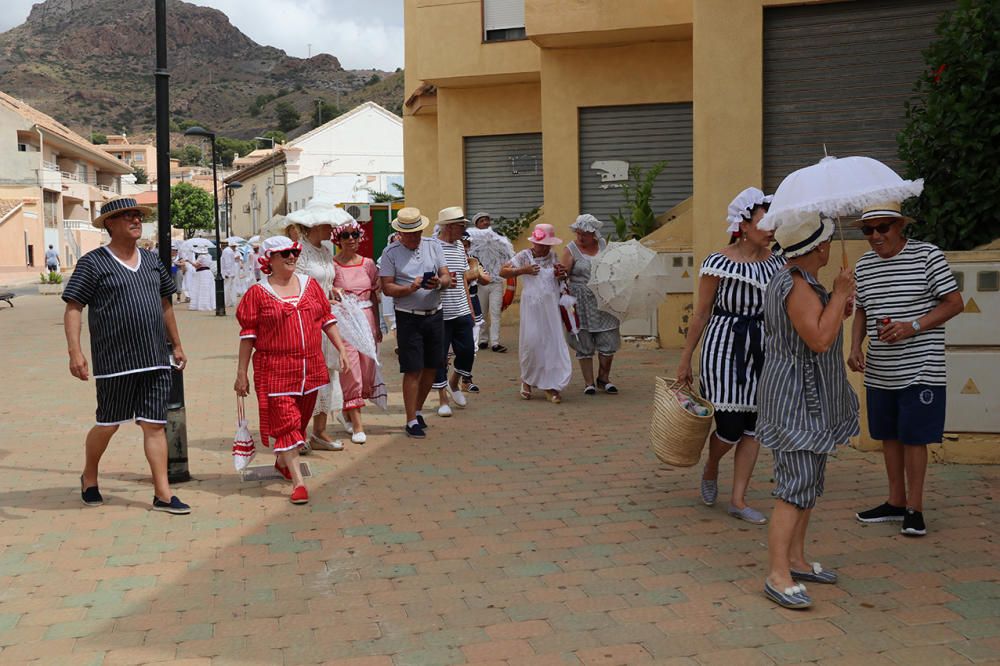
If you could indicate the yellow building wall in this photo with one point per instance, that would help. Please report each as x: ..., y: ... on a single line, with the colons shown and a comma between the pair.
x: 648, y: 73
x: 562, y: 23
x: 420, y: 162
x: 451, y: 47
x: 28, y: 219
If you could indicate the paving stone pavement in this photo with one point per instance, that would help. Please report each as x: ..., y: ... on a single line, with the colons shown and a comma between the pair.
x: 516, y: 533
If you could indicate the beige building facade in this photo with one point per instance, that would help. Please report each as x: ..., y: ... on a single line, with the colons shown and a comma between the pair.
x: 136, y: 155
x: 53, y: 182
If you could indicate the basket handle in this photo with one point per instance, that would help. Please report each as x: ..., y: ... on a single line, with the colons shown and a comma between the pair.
x: 240, y: 409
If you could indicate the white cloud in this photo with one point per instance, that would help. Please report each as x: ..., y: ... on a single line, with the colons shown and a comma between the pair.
x: 362, y: 34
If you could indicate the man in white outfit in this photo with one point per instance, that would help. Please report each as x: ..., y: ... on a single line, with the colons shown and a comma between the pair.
x: 491, y: 295
x: 230, y: 267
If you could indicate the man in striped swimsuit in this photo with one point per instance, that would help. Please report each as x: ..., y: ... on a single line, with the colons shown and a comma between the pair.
x: 906, y: 292
x: 131, y: 316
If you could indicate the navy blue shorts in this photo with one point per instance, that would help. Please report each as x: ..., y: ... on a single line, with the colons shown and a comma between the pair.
x: 138, y: 396
x: 913, y: 415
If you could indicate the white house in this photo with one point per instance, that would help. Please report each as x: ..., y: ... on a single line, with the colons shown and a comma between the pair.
x: 347, y: 158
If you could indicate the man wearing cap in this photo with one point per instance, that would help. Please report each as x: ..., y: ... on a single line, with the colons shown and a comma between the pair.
x: 131, y: 318
x: 906, y: 292
x: 413, y: 272
x: 458, y: 321
x: 490, y: 295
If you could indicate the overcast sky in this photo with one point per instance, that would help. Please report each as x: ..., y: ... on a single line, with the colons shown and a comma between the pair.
x: 363, y: 34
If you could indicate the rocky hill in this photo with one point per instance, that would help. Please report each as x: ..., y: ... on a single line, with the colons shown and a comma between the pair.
x: 89, y: 63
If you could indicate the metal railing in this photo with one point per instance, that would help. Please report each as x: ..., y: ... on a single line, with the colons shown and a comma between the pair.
x: 77, y: 224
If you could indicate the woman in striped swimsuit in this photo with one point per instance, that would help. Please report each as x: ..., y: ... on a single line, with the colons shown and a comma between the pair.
x: 807, y: 407
x: 729, y: 312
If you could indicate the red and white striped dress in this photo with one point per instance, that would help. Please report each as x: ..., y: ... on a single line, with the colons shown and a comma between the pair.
x: 288, y: 364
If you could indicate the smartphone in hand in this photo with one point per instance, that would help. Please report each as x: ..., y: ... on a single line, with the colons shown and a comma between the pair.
x: 428, y: 275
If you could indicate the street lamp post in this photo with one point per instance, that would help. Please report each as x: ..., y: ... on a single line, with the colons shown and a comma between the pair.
x: 220, y: 292
x: 235, y: 185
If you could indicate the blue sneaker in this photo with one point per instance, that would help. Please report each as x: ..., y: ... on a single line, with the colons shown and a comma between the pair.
x: 793, y: 597
x: 91, y: 496
x: 420, y: 421
x: 174, y: 506
x: 415, y: 431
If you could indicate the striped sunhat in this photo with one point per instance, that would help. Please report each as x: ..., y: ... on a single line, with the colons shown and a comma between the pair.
x: 119, y: 205
x: 409, y: 219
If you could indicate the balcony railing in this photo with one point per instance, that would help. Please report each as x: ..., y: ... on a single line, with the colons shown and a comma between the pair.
x: 77, y: 225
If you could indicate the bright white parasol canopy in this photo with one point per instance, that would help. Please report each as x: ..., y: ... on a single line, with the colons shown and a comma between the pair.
x: 320, y: 211
x: 627, y: 280
x: 236, y: 240
x: 837, y: 186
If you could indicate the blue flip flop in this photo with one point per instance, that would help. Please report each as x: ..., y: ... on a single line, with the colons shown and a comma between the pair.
x: 793, y: 597
x: 817, y: 575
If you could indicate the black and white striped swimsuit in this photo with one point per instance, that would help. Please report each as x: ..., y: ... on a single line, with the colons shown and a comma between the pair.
x: 732, y: 350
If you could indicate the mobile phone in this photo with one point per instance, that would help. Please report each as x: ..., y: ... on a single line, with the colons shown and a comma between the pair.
x: 427, y: 276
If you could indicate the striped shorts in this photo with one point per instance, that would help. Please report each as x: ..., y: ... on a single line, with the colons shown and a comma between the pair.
x: 799, y: 477
x: 139, y: 396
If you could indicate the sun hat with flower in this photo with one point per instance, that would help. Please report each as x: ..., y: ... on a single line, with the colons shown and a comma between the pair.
x: 544, y: 234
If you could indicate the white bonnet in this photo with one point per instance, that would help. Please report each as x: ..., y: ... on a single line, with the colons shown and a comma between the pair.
x: 740, y: 208
x: 587, y: 223
x: 276, y: 244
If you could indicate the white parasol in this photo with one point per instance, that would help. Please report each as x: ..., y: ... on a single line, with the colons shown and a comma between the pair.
x: 236, y: 240
x: 253, y: 239
x: 197, y: 244
x: 627, y: 280
x: 319, y: 211
x: 836, y: 187
x: 354, y: 327
x: 274, y: 227
x: 492, y: 249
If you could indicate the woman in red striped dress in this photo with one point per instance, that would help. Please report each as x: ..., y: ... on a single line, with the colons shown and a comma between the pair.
x: 282, y: 319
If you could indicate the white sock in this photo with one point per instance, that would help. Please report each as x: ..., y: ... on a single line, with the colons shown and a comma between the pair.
x: 420, y: 413
x: 412, y: 423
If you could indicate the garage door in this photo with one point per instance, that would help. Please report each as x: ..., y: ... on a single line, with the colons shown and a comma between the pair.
x: 503, y: 174
x: 839, y: 74
x: 614, y: 138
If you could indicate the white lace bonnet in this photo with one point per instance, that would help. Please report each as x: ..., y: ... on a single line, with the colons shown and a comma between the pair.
x: 587, y: 223
x: 741, y: 207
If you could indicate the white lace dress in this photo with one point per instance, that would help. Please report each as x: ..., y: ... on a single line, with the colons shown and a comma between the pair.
x: 544, y: 356
x: 317, y: 263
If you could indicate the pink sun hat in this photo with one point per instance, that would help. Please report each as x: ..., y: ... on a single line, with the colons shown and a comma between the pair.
x: 544, y: 234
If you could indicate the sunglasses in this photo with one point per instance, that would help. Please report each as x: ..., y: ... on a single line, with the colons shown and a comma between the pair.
x: 881, y: 228
x: 291, y: 252
x: 350, y: 234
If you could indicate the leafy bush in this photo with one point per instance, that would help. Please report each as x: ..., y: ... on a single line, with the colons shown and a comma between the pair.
x: 514, y: 227
x: 141, y: 177
x: 640, y: 220
x: 97, y: 138
x: 952, y: 132
x: 52, y: 277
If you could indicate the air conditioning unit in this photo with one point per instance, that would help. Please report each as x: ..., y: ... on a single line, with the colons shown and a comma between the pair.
x: 360, y: 212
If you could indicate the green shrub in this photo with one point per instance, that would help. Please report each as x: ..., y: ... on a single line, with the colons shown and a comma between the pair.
x: 952, y: 132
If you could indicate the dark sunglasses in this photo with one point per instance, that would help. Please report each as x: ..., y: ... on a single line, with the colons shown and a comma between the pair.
x: 290, y: 252
x: 350, y: 234
x: 881, y: 228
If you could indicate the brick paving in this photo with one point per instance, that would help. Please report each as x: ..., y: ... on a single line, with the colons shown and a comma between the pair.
x: 517, y: 533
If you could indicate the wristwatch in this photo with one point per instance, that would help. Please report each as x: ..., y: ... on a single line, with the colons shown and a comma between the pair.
x: 916, y: 325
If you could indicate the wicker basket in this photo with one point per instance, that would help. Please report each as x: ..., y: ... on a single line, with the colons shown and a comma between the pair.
x: 676, y: 435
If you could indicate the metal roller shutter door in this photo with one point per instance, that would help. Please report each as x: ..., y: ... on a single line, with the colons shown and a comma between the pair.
x: 839, y: 74
x: 503, y: 174
x: 641, y: 135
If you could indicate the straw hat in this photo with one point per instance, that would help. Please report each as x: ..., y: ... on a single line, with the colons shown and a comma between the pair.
x: 803, y: 235
x: 119, y: 205
x: 451, y: 215
x: 883, y: 210
x: 409, y: 219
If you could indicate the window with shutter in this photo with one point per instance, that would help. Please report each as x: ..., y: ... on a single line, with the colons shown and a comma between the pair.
x: 503, y: 20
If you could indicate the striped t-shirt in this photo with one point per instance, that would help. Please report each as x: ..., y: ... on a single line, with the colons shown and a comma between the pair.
x: 903, y: 288
x: 454, y: 299
x: 125, y: 315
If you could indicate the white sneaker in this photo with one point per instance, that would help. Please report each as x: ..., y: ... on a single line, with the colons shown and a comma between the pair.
x: 359, y: 438
x: 444, y: 411
x: 457, y: 396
